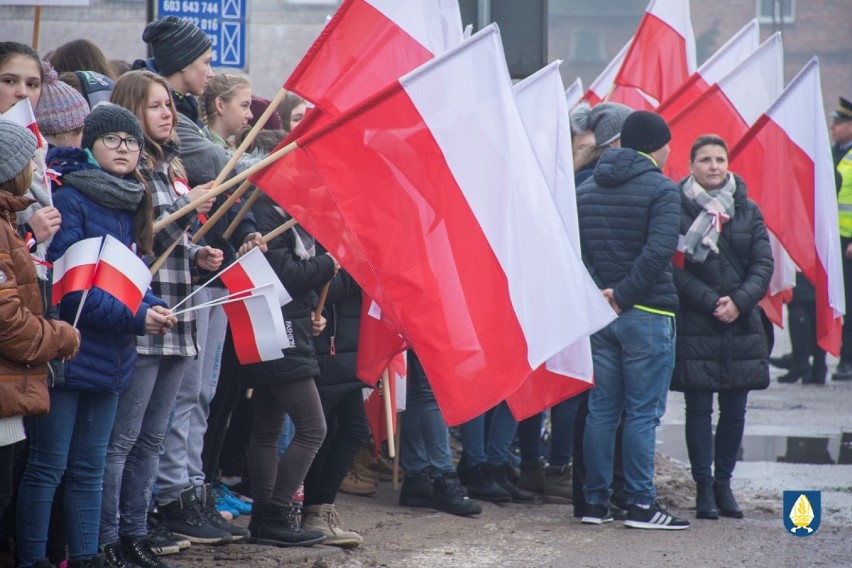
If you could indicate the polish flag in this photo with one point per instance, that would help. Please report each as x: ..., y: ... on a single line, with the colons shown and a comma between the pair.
x: 252, y: 271
x: 729, y: 107
x: 604, y: 89
x: 75, y: 269
x: 374, y: 402
x: 378, y: 342
x: 662, y: 54
x: 369, y: 44
x: 574, y: 93
x: 122, y: 274
x: 257, y: 325
x: 725, y: 60
x: 544, y: 111
x: 22, y: 115
x: 781, y: 284
x: 453, y: 237
x: 786, y: 160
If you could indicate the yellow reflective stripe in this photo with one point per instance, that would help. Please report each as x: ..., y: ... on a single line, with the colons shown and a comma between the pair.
x: 654, y: 311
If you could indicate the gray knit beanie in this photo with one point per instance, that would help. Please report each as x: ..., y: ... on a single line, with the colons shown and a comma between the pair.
x: 645, y: 131
x: 106, y: 118
x: 606, y: 120
x: 175, y: 43
x: 17, y: 146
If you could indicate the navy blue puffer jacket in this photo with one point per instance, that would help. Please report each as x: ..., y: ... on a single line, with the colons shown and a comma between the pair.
x: 107, y: 357
x: 629, y: 215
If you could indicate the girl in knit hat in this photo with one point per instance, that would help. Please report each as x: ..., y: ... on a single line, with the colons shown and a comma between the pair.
x: 27, y: 340
x: 61, y: 112
x: 100, y: 196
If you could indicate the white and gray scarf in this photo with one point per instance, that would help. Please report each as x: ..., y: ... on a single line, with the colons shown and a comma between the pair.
x: 717, y: 208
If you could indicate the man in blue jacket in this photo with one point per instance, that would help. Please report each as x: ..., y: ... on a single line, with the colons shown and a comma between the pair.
x: 629, y: 215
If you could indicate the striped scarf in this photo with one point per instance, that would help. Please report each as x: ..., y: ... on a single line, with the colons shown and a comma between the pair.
x: 717, y: 207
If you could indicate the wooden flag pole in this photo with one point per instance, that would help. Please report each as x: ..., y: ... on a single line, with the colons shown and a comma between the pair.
x: 321, y: 302
x: 282, y: 229
x: 395, y: 471
x: 36, y: 26
x: 213, y: 219
x: 241, y: 214
x: 216, y: 190
x: 258, y: 126
x: 159, y: 262
x: 386, y: 395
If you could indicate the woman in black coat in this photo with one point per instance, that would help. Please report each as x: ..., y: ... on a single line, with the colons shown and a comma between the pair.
x: 721, y: 344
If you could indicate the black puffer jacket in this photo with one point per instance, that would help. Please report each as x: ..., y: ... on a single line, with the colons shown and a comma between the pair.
x: 712, y: 355
x: 301, y: 277
x: 628, y: 213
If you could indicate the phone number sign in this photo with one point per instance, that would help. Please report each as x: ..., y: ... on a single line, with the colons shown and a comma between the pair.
x: 224, y: 21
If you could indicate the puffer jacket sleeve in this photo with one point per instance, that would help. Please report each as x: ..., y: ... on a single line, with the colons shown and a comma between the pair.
x: 660, y: 245
x: 694, y: 292
x: 760, y: 265
x: 24, y: 336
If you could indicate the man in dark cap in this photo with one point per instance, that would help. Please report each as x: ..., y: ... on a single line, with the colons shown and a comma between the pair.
x: 629, y: 215
x: 841, y: 135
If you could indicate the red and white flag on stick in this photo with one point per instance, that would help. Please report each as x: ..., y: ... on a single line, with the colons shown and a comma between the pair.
x: 374, y: 404
x: 257, y: 325
x: 662, y: 54
x: 251, y: 271
x: 603, y: 88
x: 453, y: 237
x: 545, y: 114
x: 378, y: 342
x: 786, y: 161
x: 725, y: 60
x: 729, y: 107
x: 122, y: 274
x: 75, y: 270
x: 22, y: 114
x: 368, y: 44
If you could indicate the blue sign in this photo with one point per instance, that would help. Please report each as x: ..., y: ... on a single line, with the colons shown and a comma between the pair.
x: 224, y: 21
x: 802, y: 512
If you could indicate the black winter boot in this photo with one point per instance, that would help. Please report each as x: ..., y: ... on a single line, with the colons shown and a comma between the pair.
x: 96, y: 561
x: 558, y: 484
x: 501, y: 476
x: 532, y: 476
x: 481, y: 484
x: 138, y: 551
x: 416, y: 490
x: 705, y: 500
x: 185, y: 517
x: 728, y: 506
x: 449, y: 496
x: 281, y: 526
x: 208, y: 508
x: 114, y: 556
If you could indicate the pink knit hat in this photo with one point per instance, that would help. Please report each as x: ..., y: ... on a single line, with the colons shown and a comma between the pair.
x: 61, y: 107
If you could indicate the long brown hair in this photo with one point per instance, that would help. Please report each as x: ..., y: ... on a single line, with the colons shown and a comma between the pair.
x: 80, y: 55
x: 21, y: 183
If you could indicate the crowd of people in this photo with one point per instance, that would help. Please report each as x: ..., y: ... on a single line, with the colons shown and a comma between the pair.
x: 126, y: 437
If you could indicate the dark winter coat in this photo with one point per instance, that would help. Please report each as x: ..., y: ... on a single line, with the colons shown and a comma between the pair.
x: 107, y: 357
x: 301, y: 278
x: 628, y: 214
x: 712, y: 355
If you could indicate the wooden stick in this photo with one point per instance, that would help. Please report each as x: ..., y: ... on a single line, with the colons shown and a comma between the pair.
x: 387, y: 393
x: 395, y: 470
x: 321, y: 302
x: 213, y: 219
x: 160, y: 261
x: 282, y: 229
x: 36, y: 26
x: 242, y: 214
x: 216, y: 190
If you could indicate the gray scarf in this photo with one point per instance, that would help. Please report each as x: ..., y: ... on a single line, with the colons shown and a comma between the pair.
x: 717, y: 208
x: 107, y: 189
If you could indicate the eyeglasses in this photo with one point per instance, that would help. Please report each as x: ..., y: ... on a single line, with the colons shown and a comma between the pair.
x: 113, y: 141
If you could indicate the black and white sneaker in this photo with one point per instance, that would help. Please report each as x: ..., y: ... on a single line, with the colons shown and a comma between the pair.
x: 596, y: 514
x: 653, y: 517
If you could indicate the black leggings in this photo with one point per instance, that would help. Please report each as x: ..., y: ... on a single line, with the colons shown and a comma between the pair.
x: 347, y: 432
x: 275, y: 482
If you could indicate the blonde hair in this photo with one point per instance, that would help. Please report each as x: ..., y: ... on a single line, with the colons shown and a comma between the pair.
x: 19, y: 184
x: 221, y: 85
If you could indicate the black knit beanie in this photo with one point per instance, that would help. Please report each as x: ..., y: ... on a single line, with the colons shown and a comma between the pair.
x: 175, y: 43
x: 645, y: 131
x: 106, y: 118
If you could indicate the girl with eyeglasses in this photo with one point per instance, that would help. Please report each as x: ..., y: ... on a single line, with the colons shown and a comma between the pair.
x: 100, y: 196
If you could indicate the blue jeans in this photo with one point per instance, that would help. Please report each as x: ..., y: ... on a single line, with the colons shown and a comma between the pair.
x: 424, y: 437
x: 501, y: 432
x: 729, y: 432
x: 71, y: 440
x: 133, y: 453
x: 563, y: 417
x: 633, y: 360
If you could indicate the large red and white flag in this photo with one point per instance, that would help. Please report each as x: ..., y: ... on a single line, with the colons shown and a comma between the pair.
x: 662, y: 54
x: 730, y: 106
x: 603, y: 87
x: 545, y: 112
x: 122, y: 274
x: 725, y: 60
x: 257, y: 325
x: 22, y: 115
x: 786, y: 161
x: 369, y: 44
x: 452, y: 236
x: 252, y: 271
x: 75, y: 270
